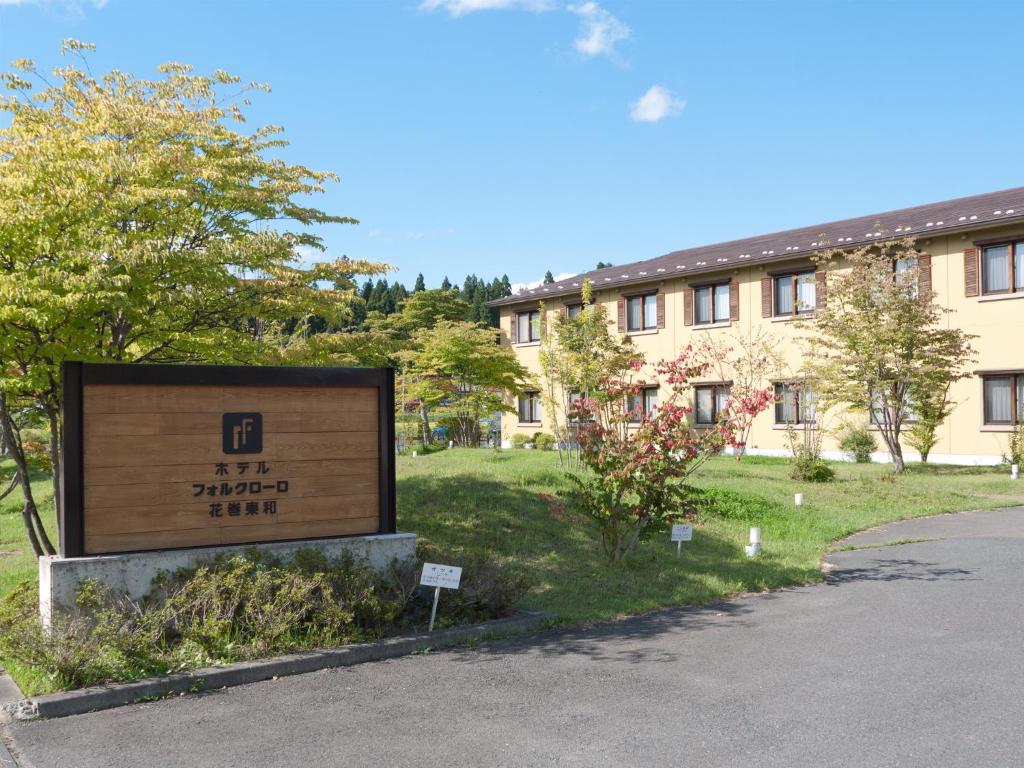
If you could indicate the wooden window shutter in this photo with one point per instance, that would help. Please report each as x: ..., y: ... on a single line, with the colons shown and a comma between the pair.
x: 924, y: 275
x: 513, y: 331
x: 734, y: 300
x: 971, y: 282
x: 659, y: 301
x: 820, y: 290
x: 766, y: 297
x: 687, y: 306
x: 622, y: 314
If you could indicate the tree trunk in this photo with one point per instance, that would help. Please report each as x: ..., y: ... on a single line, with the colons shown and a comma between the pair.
x: 10, y: 444
x: 56, y: 441
x: 424, y: 424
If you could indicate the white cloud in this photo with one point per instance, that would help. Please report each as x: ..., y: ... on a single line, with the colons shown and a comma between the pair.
x: 70, y: 7
x: 516, y: 287
x: 658, y: 103
x: 462, y: 7
x: 601, y: 31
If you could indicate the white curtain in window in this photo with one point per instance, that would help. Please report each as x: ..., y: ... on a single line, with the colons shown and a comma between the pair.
x: 523, y: 329
x: 805, y: 292
x: 702, y: 305
x: 705, y: 405
x: 1018, y: 267
x: 784, y: 295
x: 650, y: 401
x: 635, y: 320
x: 721, y: 398
x: 1020, y: 397
x: 535, y: 326
x: 721, y: 303
x: 650, y: 311
x: 995, y: 268
x: 785, y: 412
x: 807, y: 412
x: 997, y: 399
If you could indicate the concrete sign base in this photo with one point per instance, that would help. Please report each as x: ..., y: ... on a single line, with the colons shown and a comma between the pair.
x: 132, y: 573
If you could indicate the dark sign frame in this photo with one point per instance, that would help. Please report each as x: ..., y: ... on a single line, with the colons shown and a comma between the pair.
x: 78, y: 375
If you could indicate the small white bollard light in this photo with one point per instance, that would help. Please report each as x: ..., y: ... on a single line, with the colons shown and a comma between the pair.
x: 798, y: 499
x: 414, y: 454
x: 451, y: 444
x: 1014, y: 471
x: 755, y: 542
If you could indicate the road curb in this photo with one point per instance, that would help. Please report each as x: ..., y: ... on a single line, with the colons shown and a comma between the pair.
x: 93, y: 699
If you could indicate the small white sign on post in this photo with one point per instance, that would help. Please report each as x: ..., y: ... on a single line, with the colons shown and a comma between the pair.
x: 681, y: 532
x: 438, y: 576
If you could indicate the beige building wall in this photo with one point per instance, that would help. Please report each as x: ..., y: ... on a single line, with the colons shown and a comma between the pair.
x: 998, y: 323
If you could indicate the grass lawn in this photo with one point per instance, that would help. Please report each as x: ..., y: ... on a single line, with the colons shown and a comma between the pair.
x: 465, y: 500
x: 17, y: 562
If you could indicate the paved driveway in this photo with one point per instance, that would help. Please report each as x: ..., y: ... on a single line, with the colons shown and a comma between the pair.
x: 909, y: 656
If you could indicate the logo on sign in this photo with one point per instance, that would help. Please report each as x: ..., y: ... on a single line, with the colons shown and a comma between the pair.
x: 243, y: 433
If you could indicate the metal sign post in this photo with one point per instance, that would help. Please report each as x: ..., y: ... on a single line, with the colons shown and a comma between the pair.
x: 437, y: 576
x: 681, y: 532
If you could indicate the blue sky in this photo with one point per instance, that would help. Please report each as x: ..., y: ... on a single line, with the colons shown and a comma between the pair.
x: 515, y: 136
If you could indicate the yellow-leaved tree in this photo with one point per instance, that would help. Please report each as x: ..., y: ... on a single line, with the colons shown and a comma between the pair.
x: 140, y: 223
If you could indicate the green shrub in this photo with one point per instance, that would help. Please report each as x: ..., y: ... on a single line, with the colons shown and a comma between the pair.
x: 732, y: 505
x: 238, y: 607
x: 858, y: 441
x: 810, y: 468
x: 519, y: 440
x: 542, y: 441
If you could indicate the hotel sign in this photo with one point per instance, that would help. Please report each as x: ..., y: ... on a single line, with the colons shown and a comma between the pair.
x: 167, y: 457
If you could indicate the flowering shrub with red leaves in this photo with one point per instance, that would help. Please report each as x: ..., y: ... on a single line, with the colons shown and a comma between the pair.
x: 639, y: 461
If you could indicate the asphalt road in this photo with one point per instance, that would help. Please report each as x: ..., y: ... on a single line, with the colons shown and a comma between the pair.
x: 909, y: 655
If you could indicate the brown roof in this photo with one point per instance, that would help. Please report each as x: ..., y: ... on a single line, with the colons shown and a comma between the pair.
x: 922, y: 220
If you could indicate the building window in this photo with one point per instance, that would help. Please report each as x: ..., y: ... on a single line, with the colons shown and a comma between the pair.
x: 528, y: 326
x: 711, y: 304
x: 1002, y: 268
x: 709, y: 403
x: 880, y: 415
x: 644, y: 403
x: 529, y: 408
x: 573, y: 310
x: 795, y: 294
x: 642, y: 312
x: 794, y: 403
x: 1004, y: 398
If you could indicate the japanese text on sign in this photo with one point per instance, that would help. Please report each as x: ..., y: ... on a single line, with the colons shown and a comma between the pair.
x: 447, y: 576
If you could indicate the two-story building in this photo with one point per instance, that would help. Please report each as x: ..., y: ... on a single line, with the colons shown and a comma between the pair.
x: 971, y: 252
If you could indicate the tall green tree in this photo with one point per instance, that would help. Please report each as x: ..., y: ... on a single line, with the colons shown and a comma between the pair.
x: 456, y: 370
x: 140, y: 224
x: 420, y: 284
x: 879, y: 346
x: 576, y: 355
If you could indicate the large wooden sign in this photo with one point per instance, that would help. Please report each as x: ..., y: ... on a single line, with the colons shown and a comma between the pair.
x: 165, y: 457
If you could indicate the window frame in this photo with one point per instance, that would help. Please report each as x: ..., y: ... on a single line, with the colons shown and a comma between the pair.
x: 1011, y: 267
x: 797, y: 388
x: 530, y: 325
x: 1016, y: 408
x: 794, y: 297
x: 642, y: 298
x: 532, y: 400
x: 634, y: 416
x: 578, y: 306
x: 713, y: 288
x: 715, y: 389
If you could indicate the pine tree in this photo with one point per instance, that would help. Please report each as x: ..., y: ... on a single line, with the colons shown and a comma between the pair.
x: 420, y: 284
x: 548, y: 278
x: 446, y: 284
x: 506, y: 287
